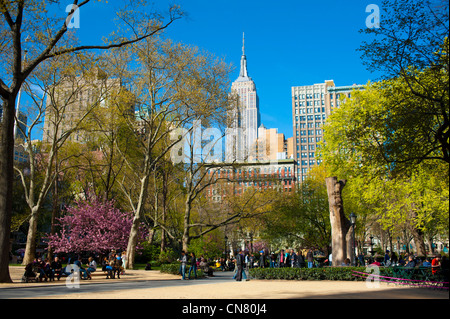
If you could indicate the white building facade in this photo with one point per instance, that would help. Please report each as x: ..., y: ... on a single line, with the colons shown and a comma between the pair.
x: 244, y: 119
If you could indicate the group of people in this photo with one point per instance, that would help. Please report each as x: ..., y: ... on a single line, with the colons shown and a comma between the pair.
x: 288, y: 258
x: 411, y: 261
x: 406, y: 260
x: 44, y: 270
x: 113, y: 265
x: 194, y: 264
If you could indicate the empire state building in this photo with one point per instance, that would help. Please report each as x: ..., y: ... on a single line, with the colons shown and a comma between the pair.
x: 244, y: 119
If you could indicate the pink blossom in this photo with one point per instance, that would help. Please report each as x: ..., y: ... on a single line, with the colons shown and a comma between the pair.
x: 93, y: 226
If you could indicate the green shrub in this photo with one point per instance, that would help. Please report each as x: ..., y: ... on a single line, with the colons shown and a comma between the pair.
x: 325, y: 273
x: 168, y: 256
x: 174, y: 269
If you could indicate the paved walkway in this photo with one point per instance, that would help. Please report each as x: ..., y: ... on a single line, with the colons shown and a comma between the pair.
x: 141, y: 284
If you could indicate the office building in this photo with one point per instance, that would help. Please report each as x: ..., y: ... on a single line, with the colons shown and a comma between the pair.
x: 311, y: 105
x: 235, y: 179
x: 244, y: 118
x: 73, y: 99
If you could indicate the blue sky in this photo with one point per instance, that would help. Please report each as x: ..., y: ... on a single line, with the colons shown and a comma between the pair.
x: 288, y: 42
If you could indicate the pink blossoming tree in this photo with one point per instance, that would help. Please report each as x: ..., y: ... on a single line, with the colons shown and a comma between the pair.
x: 93, y: 226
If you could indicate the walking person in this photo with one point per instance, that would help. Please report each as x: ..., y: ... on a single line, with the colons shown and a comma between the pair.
x: 293, y: 258
x: 183, y: 260
x: 287, y: 258
x: 300, y: 259
x: 281, y: 259
x: 247, y: 263
x: 124, y: 261
x: 239, y: 265
x: 272, y: 260
x: 262, y: 259
x: 310, y: 258
x: 193, y: 266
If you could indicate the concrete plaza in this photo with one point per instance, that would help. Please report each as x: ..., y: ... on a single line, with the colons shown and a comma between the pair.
x: 141, y: 284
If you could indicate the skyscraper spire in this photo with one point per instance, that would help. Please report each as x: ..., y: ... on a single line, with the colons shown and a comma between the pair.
x: 243, y: 74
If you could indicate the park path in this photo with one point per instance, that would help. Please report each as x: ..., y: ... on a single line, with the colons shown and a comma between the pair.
x: 141, y: 284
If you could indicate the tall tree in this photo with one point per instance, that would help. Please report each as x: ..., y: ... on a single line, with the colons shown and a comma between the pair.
x: 173, y: 85
x: 60, y: 81
x: 93, y: 226
x: 302, y: 219
x: 48, y: 38
x: 411, y: 48
x: 359, y: 137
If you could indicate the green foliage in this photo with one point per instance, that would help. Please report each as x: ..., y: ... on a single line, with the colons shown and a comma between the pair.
x: 302, y: 219
x: 329, y: 273
x: 384, y: 141
x: 411, y: 122
x: 325, y: 273
x: 208, y: 246
x: 174, y: 269
x: 149, y: 252
x: 168, y: 256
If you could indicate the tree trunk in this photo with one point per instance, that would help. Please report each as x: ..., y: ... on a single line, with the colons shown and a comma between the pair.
x: 339, y: 223
x: 151, y: 236
x: 419, y: 242
x: 349, y: 244
x: 6, y: 183
x: 30, y: 249
x: 132, y: 243
x: 164, y: 211
x: 187, y: 214
x: 418, y: 236
x: 430, y: 244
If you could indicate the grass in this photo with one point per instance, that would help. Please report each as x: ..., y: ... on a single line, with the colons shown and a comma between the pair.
x: 142, y: 267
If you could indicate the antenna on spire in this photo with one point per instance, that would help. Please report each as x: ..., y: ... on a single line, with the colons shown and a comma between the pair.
x: 243, y: 43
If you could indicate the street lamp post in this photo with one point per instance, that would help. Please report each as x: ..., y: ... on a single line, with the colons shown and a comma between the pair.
x: 371, y: 245
x: 226, y: 245
x: 353, y: 223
